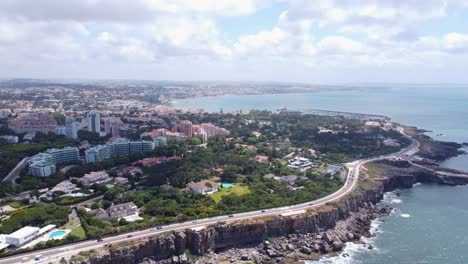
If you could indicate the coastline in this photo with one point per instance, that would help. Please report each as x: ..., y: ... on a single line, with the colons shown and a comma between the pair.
x: 318, y: 233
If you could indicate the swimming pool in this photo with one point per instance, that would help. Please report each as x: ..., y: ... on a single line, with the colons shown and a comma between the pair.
x: 227, y: 185
x: 57, y: 234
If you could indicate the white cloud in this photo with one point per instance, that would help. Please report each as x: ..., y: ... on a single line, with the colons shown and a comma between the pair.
x: 186, y: 36
x: 455, y: 42
x: 339, y: 45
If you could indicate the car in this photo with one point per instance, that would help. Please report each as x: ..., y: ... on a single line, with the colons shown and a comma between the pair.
x: 231, y: 215
x: 194, y: 222
x: 263, y: 211
x: 159, y: 227
x: 25, y: 259
x: 99, y: 239
x: 129, y: 236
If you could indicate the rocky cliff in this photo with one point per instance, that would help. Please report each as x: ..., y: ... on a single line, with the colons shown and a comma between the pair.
x: 347, y: 219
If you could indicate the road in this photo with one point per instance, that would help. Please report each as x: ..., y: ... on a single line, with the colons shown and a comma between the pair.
x: 15, y: 172
x: 56, y: 253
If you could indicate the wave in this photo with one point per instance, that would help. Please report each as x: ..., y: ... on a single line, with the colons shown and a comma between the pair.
x: 396, y: 201
x: 405, y: 215
x: 351, y: 249
x: 417, y: 184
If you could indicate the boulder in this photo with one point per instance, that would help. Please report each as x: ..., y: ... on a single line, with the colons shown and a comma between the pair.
x: 306, y: 250
x: 290, y: 247
x: 271, y: 253
x: 337, y: 245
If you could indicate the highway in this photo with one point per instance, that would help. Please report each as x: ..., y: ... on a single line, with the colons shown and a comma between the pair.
x: 353, y: 168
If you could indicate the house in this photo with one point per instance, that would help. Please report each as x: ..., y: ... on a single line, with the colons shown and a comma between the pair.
x: 100, y: 214
x: 203, y: 187
x: 120, y: 180
x: 292, y: 179
x: 115, y: 211
x: 251, y: 148
x: 271, y: 176
x: 130, y: 170
x: 122, y: 210
x: 94, y: 177
x: 64, y: 186
x: 331, y: 169
x: 300, y: 163
x: 260, y: 158
x: 217, y: 171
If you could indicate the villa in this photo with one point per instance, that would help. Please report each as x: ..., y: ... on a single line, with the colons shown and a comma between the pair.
x: 116, y: 211
x: 203, y: 187
x: 94, y: 177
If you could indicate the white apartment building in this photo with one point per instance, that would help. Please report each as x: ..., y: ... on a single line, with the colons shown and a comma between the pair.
x: 97, y: 154
x: 64, y: 155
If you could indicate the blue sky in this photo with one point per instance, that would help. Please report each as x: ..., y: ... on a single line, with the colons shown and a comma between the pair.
x: 320, y: 41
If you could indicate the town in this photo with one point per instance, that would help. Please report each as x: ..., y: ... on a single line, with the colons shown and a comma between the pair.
x: 80, y: 168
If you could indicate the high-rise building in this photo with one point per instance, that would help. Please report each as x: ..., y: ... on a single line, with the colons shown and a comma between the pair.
x: 97, y: 154
x: 94, y: 122
x: 71, y: 128
x: 212, y: 130
x: 119, y: 147
x: 186, y: 128
x: 42, y: 165
x: 64, y: 155
x: 42, y: 168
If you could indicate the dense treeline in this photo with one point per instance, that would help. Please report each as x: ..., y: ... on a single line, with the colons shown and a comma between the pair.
x: 35, y: 216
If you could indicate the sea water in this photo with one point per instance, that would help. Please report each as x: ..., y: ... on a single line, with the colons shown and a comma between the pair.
x: 430, y: 224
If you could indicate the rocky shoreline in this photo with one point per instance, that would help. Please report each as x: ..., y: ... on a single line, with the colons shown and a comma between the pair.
x: 295, y: 248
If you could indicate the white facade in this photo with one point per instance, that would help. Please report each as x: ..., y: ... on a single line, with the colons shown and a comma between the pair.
x: 42, y: 169
x: 64, y: 155
x: 42, y: 165
x: 97, y: 154
x: 22, y: 236
x: 95, y: 177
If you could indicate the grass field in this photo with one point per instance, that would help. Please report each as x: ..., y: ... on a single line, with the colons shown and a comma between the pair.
x: 236, y: 189
x: 78, y: 232
x: 76, y: 229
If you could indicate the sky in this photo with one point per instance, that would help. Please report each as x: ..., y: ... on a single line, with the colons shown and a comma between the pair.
x: 313, y: 41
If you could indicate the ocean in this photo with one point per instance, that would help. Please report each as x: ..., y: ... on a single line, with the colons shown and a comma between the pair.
x: 429, y: 225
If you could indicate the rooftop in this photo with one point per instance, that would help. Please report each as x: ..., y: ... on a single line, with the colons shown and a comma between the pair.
x: 25, y: 231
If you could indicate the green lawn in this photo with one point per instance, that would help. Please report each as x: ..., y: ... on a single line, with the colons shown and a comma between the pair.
x: 237, y: 189
x: 78, y: 232
x: 76, y: 229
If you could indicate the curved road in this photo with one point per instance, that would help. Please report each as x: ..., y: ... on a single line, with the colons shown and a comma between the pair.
x: 56, y: 253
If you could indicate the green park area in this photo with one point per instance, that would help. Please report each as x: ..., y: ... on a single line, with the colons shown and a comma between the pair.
x: 237, y: 189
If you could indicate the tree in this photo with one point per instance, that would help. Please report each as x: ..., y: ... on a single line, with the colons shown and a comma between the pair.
x: 123, y: 222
